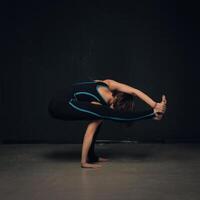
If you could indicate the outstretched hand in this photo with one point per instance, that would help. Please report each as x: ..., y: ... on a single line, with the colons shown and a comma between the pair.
x: 160, y: 108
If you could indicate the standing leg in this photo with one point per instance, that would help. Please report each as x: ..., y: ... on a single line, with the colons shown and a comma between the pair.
x: 87, y: 141
x: 92, y: 157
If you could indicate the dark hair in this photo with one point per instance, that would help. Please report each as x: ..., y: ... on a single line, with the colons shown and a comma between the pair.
x: 124, y: 102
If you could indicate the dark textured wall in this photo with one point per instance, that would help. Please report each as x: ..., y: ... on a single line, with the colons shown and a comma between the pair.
x: 151, y: 45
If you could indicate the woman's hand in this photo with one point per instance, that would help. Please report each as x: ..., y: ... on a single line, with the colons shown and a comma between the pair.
x: 160, y: 108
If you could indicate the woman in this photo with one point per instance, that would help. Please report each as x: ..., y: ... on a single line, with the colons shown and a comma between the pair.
x: 100, y: 100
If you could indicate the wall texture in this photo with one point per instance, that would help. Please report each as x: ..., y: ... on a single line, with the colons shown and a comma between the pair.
x: 152, y: 46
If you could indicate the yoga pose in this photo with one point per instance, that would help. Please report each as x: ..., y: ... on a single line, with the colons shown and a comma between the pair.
x: 100, y: 100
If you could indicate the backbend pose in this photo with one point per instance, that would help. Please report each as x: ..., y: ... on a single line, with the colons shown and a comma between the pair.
x: 100, y: 100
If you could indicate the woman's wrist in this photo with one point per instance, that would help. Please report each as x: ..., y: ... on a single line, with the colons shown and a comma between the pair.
x: 154, y: 105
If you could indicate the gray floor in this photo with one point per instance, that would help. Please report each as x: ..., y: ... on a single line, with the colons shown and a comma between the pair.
x: 135, y: 171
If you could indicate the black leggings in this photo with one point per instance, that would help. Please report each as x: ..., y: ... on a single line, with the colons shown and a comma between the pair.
x: 67, y: 108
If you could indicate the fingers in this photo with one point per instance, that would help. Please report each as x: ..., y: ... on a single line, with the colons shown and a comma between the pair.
x: 163, y: 103
x: 163, y: 109
x: 160, y: 109
x: 164, y: 99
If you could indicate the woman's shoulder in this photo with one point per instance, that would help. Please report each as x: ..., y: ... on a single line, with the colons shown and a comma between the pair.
x: 104, y: 81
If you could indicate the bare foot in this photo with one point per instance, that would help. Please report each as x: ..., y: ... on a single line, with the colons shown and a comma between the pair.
x: 88, y: 165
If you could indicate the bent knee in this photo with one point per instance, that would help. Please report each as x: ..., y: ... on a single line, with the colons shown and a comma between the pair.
x: 99, y: 121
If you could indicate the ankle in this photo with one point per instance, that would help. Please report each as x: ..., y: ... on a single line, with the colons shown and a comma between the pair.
x: 83, y: 161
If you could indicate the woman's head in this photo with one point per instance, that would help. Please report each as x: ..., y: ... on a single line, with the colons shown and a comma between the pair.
x: 123, y: 101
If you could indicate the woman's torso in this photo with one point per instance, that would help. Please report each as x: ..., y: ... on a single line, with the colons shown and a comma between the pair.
x: 91, y: 91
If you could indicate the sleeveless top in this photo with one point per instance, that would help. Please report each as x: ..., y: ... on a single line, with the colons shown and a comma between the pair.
x: 88, y: 91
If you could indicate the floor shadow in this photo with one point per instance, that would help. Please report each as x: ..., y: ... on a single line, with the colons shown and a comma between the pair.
x: 112, y: 153
x: 138, y: 153
x: 63, y: 155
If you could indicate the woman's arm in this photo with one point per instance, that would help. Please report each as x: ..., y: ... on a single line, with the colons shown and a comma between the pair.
x: 92, y: 111
x: 114, y: 85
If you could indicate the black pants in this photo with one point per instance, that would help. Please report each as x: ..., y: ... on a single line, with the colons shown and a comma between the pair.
x: 63, y: 106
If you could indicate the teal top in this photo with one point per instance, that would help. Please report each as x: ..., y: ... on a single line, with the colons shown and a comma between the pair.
x: 88, y: 91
